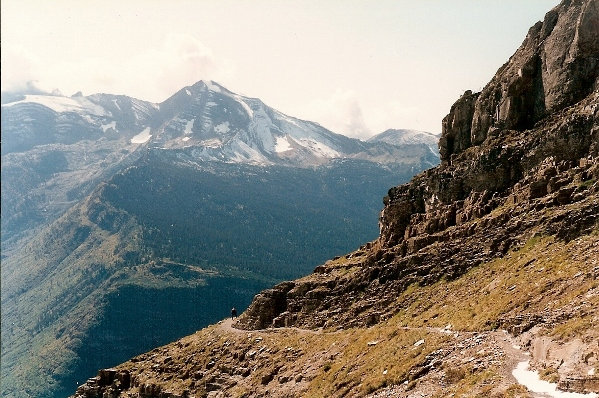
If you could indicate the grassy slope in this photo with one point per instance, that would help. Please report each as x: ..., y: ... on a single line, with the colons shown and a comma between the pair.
x: 545, y: 276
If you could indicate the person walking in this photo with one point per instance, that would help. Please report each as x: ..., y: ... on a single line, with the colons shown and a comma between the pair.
x: 233, y: 313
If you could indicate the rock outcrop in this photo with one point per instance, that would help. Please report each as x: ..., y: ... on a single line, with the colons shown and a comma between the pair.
x: 556, y: 66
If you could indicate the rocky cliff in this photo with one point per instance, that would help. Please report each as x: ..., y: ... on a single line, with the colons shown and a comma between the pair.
x: 491, y: 254
x: 555, y: 67
x: 447, y: 220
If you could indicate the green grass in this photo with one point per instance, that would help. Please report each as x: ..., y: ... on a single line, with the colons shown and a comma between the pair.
x: 523, y: 281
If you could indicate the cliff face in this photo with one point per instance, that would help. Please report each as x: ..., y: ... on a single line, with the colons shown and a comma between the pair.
x: 504, y: 234
x: 556, y: 66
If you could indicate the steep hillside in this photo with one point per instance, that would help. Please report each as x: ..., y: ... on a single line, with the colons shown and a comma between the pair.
x: 484, y: 265
x: 167, y: 243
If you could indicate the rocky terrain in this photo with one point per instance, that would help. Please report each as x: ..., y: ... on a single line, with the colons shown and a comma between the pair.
x: 484, y: 265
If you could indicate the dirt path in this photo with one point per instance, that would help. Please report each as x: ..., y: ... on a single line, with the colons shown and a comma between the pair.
x: 494, y: 341
x: 227, y: 326
x: 513, y: 354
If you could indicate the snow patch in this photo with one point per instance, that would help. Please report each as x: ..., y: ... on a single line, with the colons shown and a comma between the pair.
x: 245, y: 106
x: 189, y: 126
x: 282, y: 144
x: 318, y: 148
x: 222, y: 128
x: 212, y: 143
x: 188, y: 92
x: 111, y: 125
x: 116, y: 104
x: 406, y: 137
x: 63, y: 104
x: 531, y: 380
x: 246, y: 153
x: 211, y: 103
x: 212, y: 87
x: 184, y: 139
x: 142, y: 137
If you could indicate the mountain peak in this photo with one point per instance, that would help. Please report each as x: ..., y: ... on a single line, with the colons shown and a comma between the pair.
x: 210, y: 85
x: 405, y: 136
x: 215, y: 123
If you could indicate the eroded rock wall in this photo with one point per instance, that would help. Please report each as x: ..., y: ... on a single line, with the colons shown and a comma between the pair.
x: 556, y: 66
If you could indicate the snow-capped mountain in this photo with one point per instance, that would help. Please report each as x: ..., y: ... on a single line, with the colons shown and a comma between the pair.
x: 408, y: 137
x: 222, y: 125
x: 210, y: 122
x: 64, y: 146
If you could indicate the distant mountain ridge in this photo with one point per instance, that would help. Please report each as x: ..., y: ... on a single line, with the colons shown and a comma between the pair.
x: 408, y: 137
x: 205, y: 121
x: 219, y: 124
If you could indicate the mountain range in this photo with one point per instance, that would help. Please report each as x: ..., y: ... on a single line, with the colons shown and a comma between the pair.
x: 127, y: 224
x: 483, y: 281
x: 66, y: 145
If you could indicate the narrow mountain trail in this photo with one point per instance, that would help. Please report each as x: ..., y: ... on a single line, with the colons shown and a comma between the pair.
x: 474, y: 349
x: 500, y: 340
x: 227, y: 326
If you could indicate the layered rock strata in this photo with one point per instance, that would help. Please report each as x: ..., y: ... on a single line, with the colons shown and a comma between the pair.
x: 556, y: 66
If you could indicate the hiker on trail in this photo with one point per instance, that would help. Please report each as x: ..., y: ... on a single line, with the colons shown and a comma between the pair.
x: 233, y: 313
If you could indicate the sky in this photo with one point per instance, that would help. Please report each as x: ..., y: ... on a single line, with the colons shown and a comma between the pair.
x: 357, y: 67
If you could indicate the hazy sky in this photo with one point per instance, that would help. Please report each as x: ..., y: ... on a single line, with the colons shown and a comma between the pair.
x: 357, y: 67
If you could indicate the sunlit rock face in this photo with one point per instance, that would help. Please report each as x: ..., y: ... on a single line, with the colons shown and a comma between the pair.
x: 556, y: 66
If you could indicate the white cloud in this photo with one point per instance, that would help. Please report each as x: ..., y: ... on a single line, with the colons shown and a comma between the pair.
x: 397, y: 114
x: 184, y: 60
x: 20, y: 70
x: 340, y: 112
x: 152, y: 73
